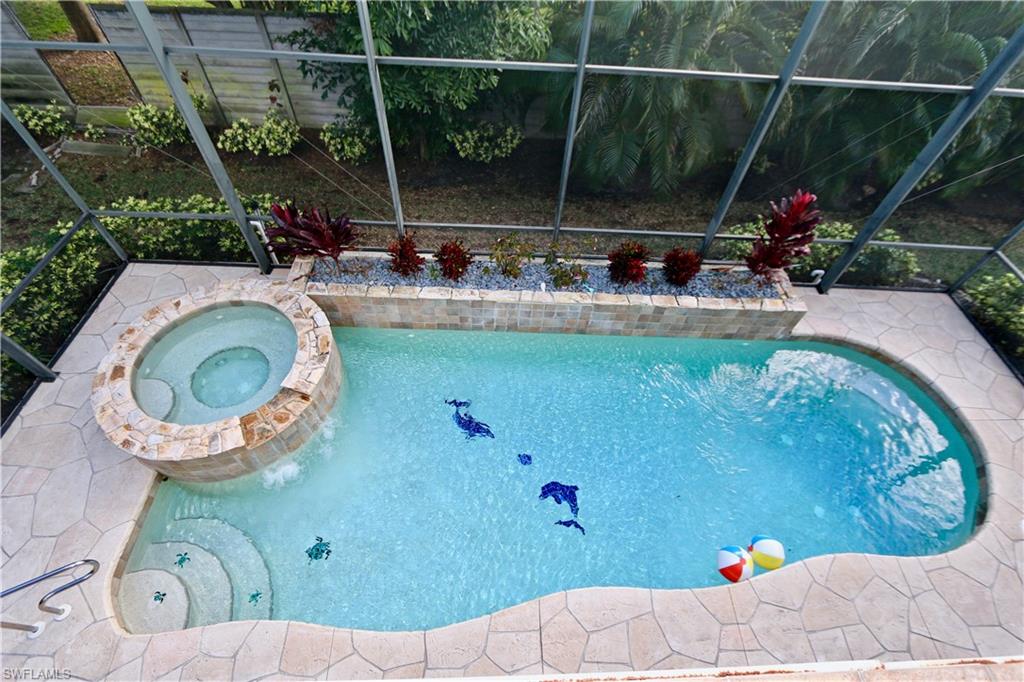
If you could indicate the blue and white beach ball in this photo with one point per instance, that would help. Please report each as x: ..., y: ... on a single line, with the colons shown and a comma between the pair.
x: 734, y: 563
x: 768, y: 552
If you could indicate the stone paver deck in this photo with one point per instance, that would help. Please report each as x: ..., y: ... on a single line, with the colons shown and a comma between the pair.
x: 68, y: 493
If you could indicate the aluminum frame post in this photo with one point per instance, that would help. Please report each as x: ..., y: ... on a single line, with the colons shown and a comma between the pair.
x: 973, y: 270
x: 15, y: 351
x: 574, y: 112
x: 954, y: 123
x: 182, y: 100
x: 51, y: 168
x: 764, y: 121
x: 382, y: 115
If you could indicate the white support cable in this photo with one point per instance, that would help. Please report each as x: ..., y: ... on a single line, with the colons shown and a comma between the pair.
x: 959, y: 180
x: 345, y: 170
x: 339, y: 187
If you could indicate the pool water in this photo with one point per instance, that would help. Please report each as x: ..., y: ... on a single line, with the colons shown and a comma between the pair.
x: 676, y: 446
x: 222, y: 362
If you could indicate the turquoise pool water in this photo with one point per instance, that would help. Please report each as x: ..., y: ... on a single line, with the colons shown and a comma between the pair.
x: 677, y: 446
x: 220, y: 363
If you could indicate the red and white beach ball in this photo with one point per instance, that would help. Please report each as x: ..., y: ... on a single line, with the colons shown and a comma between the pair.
x: 734, y: 563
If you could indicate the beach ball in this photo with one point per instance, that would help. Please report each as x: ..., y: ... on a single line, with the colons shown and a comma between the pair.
x: 734, y: 563
x: 768, y: 552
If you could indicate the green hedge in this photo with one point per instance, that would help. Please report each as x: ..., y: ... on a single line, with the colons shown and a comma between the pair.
x: 877, y: 265
x: 998, y: 305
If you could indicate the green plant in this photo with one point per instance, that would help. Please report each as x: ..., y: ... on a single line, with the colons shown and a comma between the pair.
x: 875, y: 265
x: 153, y: 126
x: 627, y: 263
x: 486, y: 142
x: 423, y: 104
x: 238, y: 137
x: 510, y: 253
x: 276, y: 136
x: 453, y: 259
x: 680, y: 265
x: 153, y: 238
x: 563, y: 267
x: 404, y: 259
x: 42, y: 317
x: 351, y: 141
x: 93, y: 133
x: 48, y: 121
x: 998, y: 302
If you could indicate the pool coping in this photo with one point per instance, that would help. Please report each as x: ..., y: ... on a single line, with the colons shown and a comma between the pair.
x: 960, y: 604
x: 235, y: 445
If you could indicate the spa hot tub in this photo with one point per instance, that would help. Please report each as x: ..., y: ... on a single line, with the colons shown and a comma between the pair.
x: 217, y: 384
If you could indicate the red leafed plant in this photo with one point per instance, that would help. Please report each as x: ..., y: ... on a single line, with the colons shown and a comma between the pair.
x: 404, y: 259
x: 453, y: 259
x: 680, y: 266
x: 788, y: 234
x: 310, y: 233
x: 628, y: 263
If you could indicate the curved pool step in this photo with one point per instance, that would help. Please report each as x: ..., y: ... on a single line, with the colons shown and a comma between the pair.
x: 153, y: 600
x: 238, y: 556
x: 209, y: 588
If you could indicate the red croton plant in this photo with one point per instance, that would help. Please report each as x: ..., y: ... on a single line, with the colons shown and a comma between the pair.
x: 310, y: 233
x: 788, y: 234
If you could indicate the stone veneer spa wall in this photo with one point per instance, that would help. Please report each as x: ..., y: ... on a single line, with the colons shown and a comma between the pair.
x: 443, y: 307
x: 235, y: 445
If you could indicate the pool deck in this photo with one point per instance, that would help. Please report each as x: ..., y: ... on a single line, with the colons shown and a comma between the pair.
x: 68, y: 493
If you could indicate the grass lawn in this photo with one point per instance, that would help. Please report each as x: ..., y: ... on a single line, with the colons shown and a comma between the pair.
x: 44, y: 19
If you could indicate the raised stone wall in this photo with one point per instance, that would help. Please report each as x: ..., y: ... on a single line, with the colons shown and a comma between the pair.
x: 558, y: 311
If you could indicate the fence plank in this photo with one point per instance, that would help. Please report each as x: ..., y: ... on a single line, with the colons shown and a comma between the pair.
x: 24, y: 76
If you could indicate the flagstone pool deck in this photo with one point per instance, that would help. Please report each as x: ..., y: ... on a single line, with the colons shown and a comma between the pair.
x: 68, y: 493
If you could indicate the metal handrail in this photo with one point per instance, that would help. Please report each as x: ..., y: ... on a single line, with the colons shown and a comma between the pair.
x: 62, y: 612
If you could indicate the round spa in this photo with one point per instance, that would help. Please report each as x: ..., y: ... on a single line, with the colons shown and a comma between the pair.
x: 221, y: 383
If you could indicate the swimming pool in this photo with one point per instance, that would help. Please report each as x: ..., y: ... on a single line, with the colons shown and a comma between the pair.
x: 677, y: 446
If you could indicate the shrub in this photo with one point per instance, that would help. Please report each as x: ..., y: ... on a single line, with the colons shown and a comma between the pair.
x: 93, y: 133
x: 564, y: 268
x: 453, y: 259
x: 486, y: 142
x: 998, y: 302
x: 874, y: 265
x: 788, y: 234
x: 510, y: 253
x: 352, y: 141
x: 147, y: 238
x: 680, y: 266
x: 628, y: 263
x: 45, y: 121
x: 156, y: 127
x: 404, y: 259
x: 276, y: 136
x: 49, y: 308
x: 310, y: 233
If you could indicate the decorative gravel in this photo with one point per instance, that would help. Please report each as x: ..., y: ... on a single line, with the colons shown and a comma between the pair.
x: 483, y: 275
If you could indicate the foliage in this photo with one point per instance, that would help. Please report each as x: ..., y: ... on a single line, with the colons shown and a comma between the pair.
x: 680, y: 265
x: 404, y: 259
x: 93, y: 133
x: 486, y: 142
x: 877, y: 266
x: 49, y: 308
x: 453, y: 259
x: 564, y: 267
x: 627, y: 264
x: 788, y: 234
x: 510, y: 253
x: 998, y: 302
x: 46, y: 122
x: 351, y: 141
x: 310, y: 233
x: 656, y: 131
x: 423, y: 104
x: 161, y: 127
x: 276, y: 136
x: 156, y: 238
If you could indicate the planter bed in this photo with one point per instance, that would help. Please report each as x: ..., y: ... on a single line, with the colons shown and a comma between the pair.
x: 370, y: 296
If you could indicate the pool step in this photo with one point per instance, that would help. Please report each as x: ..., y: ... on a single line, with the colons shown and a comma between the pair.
x: 207, y: 583
x: 238, y: 556
x: 153, y: 600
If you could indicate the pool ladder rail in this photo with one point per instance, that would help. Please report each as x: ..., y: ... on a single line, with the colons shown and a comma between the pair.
x: 60, y: 612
